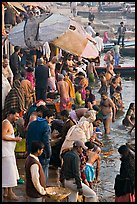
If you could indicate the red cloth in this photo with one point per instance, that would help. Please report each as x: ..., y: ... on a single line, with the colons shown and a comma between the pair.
x: 105, y: 37
x: 125, y: 198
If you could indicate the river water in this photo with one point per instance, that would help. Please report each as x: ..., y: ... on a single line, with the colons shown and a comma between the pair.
x: 110, y: 163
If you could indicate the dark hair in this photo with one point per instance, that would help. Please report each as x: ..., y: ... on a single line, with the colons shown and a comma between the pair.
x: 5, y: 56
x: 48, y: 113
x: 97, y: 34
x: 96, y: 108
x: 79, y: 87
x: 16, y: 48
x: 36, y: 145
x: 123, y: 149
x: 131, y: 105
x: 81, y: 74
x: 98, y: 119
x: 89, y: 144
x: 65, y: 113
x: 13, y: 111
x: 30, y: 69
x: 21, y: 51
x: 104, y: 93
x: 89, y: 88
x: 41, y: 108
x: 118, y: 88
x: 113, y: 80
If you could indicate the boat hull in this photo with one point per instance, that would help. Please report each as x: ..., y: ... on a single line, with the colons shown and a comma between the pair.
x: 124, y: 71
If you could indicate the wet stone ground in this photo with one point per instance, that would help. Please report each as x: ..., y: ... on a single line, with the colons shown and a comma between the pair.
x: 53, y: 175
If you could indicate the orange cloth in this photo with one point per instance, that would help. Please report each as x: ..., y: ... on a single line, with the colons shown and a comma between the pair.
x: 84, y: 82
x: 71, y: 88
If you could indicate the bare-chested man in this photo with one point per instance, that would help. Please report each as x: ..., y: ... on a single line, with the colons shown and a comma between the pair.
x: 63, y: 89
x: 109, y: 72
x: 108, y: 111
x: 93, y: 156
x: 91, y: 72
x: 118, y: 80
x: 51, y: 79
x: 10, y: 173
x: 103, y: 83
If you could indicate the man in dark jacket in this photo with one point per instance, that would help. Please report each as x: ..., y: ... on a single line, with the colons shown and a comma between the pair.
x: 41, y: 76
x: 39, y: 130
x: 14, y: 61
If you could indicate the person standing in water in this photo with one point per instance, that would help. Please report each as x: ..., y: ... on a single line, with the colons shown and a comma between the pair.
x: 108, y: 111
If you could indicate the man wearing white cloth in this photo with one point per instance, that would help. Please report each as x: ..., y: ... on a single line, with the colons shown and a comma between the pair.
x: 10, y: 173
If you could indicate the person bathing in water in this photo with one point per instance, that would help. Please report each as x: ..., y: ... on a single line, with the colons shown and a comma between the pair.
x: 108, y: 111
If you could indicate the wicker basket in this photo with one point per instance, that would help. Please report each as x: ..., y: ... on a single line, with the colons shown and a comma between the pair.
x: 57, y: 193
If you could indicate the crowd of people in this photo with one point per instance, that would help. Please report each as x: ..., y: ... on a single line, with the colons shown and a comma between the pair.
x: 65, y: 136
x: 69, y: 134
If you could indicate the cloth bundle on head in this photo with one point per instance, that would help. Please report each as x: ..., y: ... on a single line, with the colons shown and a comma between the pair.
x: 89, y: 116
x: 81, y: 132
x: 40, y: 102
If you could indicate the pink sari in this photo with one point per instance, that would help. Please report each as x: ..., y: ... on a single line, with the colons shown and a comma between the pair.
x: 105, y: 37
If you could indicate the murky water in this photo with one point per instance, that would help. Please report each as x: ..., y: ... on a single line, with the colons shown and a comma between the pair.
x: 110, y: 163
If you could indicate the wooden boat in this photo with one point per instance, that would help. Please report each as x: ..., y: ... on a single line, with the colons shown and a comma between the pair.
x: 125, y: 71
x: 108, y: 46
x: 128, y: 51
x: 130, y: 15
x: 112, y: 7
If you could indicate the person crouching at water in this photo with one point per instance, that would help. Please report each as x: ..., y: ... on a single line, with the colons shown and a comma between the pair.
x: 35, y: 177
x: 107, y: 106
x: 92, y: 173
x: 129, y: 119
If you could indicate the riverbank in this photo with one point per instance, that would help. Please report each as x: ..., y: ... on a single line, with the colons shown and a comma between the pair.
x: 110, y: 162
